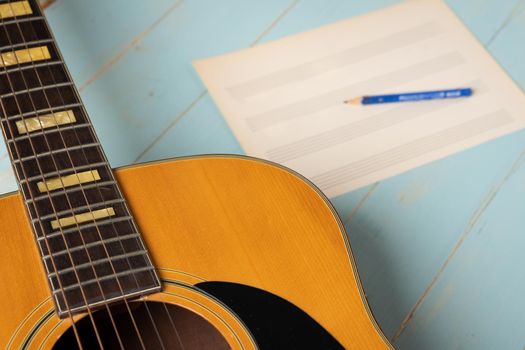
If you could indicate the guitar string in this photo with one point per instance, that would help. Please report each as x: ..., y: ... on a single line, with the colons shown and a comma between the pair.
x: 132, y: 225
x: 83, y: 242
x: 169, y: 315
x: 112, y: 223
x: 114, y: 228
x: 8, y: 36
x: 70, y: 316
x: 24, y: 173
x: 4, y: 110
x: 85, y: 197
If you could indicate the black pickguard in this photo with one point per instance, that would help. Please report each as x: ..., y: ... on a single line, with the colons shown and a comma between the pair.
x: 274, y: 322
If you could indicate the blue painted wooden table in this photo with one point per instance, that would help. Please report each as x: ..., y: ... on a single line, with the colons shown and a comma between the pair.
x: 439, y: 249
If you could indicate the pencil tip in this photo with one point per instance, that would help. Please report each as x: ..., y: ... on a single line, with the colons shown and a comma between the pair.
x: 353, y: 101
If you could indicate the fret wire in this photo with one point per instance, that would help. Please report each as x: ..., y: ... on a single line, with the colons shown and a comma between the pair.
x: 154, y: 276
x: 104, y: 278
x: 68, y: 311
x: 33, y: 126
x: 49, y: 131
x: 129, y: 295
x: 50, y: 153
x: 36, y: 65
x: 85, y: 226
x: 81, y: 209
x: 43, y: 111
x: 28, y: 45
x: 52, y: 174
x: 131, y: 222
x: 98, y: 262
x: 36, y: 89
x: 65, y: 297
x: 68, y: 190
x: 54, y: 152
x: 92, y: 244
x: 66, y: 149
x: 22, y: 20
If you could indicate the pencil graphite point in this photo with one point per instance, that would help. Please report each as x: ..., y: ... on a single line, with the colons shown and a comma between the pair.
x: 353, y: 101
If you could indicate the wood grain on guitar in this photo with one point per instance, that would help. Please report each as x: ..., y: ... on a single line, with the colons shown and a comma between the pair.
x: 206, y: 252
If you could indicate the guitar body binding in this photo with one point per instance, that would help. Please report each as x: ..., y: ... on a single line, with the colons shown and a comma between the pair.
x: 249, y: 247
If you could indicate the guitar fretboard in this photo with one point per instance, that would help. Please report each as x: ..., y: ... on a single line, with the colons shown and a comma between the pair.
x: 92, y: 251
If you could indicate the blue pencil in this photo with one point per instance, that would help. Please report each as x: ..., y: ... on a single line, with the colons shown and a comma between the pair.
x: 411, y: 96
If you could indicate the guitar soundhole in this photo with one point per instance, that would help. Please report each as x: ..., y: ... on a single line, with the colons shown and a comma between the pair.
x: 161, y: 326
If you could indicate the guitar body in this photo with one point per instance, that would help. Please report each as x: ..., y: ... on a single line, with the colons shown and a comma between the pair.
x: 250, y: 255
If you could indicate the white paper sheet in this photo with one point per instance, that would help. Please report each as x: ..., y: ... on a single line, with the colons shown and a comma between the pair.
x: 284, y: 99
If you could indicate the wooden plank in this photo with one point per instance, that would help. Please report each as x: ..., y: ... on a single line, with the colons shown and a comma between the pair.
x: 406, y: 228
x: 91, y: 33
x: 506, y: 45
x: 477, y: 301
x: 409, y: 226
x: 155, y: 82
x: 188, y: 136
x: 485, y: 18
x: 308, y: 18
x: 172, y: 46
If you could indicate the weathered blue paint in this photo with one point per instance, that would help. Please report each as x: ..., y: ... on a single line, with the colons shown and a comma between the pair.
x: 439, y: 248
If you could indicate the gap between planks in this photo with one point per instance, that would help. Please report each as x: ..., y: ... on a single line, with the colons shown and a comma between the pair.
x: 106, y: 66
x: 44, y: 4
x: 489, y: 198
x: 204, y: 92
x: 360, y: 203
x: 520, y: 6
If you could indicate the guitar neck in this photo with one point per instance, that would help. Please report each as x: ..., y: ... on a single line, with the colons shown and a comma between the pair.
x: 91, y: 249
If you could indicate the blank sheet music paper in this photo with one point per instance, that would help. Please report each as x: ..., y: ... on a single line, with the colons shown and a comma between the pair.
x: 284, y: 99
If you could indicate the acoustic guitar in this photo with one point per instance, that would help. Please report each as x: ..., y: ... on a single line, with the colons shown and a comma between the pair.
x: 208, y: 252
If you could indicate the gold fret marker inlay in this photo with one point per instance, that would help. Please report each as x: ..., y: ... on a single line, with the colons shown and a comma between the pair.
x: 69, y: 180
x: 80, y: 218
x: 33, y: 54
x: 18, y: 8
x: 45, y: 121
